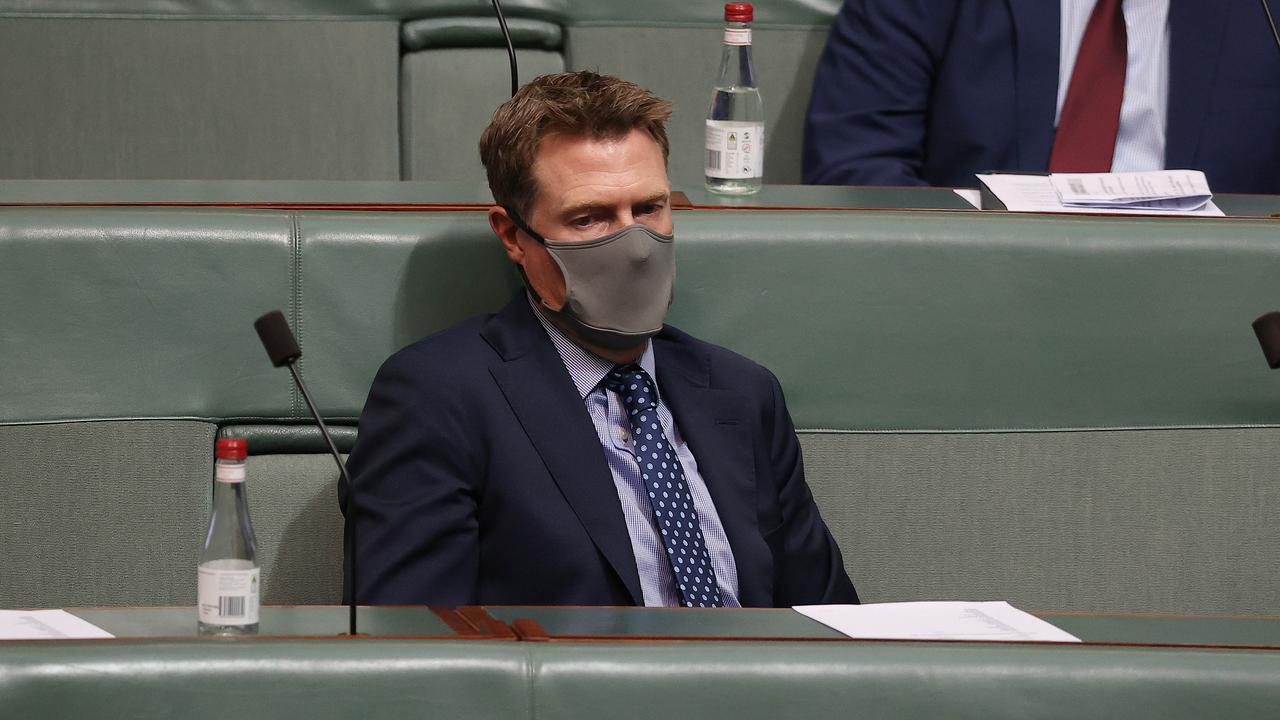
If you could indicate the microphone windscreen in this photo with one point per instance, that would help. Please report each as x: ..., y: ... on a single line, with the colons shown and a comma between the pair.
x: 1267, y: 328
x: 277, y: 338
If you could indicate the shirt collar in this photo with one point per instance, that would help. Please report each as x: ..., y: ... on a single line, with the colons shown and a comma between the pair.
x: 586, y: 368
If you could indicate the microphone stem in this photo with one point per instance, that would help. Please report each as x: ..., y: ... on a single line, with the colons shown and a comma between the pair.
x: 1272, y: 22
x: 342, y: 467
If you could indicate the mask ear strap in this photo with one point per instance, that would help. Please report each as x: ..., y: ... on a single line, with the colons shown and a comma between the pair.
x: 522, y: 225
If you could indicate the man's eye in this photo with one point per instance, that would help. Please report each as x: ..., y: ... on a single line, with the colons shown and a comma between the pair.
x: 584, y: 221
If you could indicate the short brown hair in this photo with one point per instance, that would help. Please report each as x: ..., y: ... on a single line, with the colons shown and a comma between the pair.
x: 583, y: 104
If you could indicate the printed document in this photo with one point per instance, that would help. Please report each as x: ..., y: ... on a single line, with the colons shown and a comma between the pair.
x: 1185, y: 190
x: 46, y: 625
x: 1106, y: 193
x: 947, y: 620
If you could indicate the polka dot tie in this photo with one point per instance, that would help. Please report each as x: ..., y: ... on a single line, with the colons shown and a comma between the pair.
x: 669, y: 495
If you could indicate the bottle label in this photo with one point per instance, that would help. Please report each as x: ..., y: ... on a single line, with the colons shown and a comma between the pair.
x: 227, y: 597
x: 229, y: 473
x: 735, y: 150
x: 737, y: 36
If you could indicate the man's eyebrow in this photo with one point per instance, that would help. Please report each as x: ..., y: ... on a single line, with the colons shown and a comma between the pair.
x: 580, y: 208
x: 585, y: 207
x: 660, y: 196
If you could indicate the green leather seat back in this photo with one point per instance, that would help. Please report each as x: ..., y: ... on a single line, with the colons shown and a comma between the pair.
x: 761, y: 681
x: 317, y: 679
x: 744, y: 681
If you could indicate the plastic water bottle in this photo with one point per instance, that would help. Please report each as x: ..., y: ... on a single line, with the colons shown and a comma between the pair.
x: 229, y: 583
x: 735, y: 122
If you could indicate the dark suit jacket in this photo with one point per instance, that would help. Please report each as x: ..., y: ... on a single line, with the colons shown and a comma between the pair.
x: 480, y: 478
x: 932, y: 91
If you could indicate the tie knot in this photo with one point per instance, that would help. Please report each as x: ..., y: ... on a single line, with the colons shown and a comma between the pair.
x: 635, y: 387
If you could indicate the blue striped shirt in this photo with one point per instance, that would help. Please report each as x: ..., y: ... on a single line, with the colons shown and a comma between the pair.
x: 657, y: 582
x: 1143, y: 112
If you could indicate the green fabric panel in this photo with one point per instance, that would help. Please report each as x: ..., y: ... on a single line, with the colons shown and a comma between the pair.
x: 817, y: 13
x: 293, y: 500
x: 334, y: 9
x: 1144, y: 520
x: 784, y: 12
x: 959, y: 321
x: 764, y: 681
x: 103, y: 513
x: 140, y: 312
x: 684, y: 72
x: 479, y: 32
x: 282, y: 439
x: 313, y: 679
x: 448, y: 96
x: 256, y: 192
x: 373, y: 284
x: 85, y: 98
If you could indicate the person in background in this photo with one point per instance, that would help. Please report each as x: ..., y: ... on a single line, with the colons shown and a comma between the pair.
x: 572, y: 449
x: 915, y: 92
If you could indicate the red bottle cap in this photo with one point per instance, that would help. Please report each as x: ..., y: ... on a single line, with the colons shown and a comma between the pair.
x: 231, y: 449
x: 737, y: 12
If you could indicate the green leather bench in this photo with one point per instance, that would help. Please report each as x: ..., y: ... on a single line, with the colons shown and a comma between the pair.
x: 1069, y: 413
x: 354, y: 90
x: 409, y: 665
x: 741, y: 681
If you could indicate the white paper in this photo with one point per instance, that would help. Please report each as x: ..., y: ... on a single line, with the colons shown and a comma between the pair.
x: 46, y: 625
x: 1160, y: 190
x: 948, y: 620
x: 973, y: 196
x: 1035, y: 193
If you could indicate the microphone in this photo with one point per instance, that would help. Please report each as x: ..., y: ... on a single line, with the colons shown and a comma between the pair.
x: 1267, y: 328
x: 283, y: 350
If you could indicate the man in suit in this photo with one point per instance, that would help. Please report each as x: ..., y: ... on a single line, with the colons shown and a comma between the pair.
x: 527, y: 457
x: 912, y: 92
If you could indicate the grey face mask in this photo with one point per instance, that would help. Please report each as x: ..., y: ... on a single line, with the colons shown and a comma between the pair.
x: 617, y: 287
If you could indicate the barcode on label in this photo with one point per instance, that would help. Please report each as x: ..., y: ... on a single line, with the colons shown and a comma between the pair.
x: 1077, y: 185
x: 230, y: 606
x: 715, y: 160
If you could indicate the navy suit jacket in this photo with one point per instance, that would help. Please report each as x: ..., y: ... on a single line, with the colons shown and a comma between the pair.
x: 912, y: 92
x: 480, y: 477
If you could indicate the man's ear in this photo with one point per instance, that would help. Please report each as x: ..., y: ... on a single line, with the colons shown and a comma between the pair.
x: 506, y: 231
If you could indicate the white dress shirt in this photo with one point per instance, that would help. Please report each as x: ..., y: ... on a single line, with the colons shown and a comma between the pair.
x: 1143, y: 112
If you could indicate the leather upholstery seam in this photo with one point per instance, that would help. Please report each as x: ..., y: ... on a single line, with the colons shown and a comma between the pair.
x: 295, y: 304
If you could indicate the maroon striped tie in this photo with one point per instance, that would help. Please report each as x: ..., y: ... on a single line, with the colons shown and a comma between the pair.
x: 1086, y: 137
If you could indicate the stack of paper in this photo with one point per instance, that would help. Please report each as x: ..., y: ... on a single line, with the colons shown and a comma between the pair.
x: 1161, y: 192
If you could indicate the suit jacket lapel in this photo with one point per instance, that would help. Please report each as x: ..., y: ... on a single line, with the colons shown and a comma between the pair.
x: 1195, y: 43
x: 542, y: 396
x: 715, y: 423
x: 1036, y: 28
